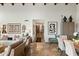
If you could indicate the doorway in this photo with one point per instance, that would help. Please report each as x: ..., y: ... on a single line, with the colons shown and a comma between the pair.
x: 38, y: 31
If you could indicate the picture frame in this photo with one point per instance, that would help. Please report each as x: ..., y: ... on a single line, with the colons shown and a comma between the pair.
x: 14, y: 28
x: 23, y: 28
x: 52, y: 27
x: 4, y: 31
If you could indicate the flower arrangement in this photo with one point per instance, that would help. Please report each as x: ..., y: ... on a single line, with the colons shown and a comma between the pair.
x: 76, y: 35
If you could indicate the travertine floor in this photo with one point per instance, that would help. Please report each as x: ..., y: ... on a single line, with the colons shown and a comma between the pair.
x: 44, y: 49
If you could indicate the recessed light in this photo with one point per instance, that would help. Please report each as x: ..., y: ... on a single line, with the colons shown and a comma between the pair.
x: 25, y: 20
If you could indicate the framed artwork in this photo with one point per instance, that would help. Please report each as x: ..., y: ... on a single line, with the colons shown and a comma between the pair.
x: 52, y: 27
x: 4, y: 29
x: 14, y: 28
x: 23, y: 28
x: 0, y: 34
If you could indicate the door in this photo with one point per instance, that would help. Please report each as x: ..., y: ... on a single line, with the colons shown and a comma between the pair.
x: 38, y: 31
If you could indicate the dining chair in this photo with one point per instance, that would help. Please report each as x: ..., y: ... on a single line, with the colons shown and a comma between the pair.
x: 69, y: 48
x: 61, y: 46
x: 5, y: 37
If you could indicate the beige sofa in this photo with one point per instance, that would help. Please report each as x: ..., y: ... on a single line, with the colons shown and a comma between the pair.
x: 15, y: 48
x: 19, y: 50
x: 16, y: 44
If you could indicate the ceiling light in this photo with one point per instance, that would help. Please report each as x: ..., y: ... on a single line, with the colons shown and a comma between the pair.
x: 44, y: 3
x: 12, y: 4
x: 66, y: 3
x: 33, y: 4
x: 23, y: 4
x: 2, y: 4
x: 55, y: 3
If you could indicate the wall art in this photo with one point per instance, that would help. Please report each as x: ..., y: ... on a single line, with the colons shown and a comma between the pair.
x: 14, y: 28
x: 4, y: 29
x: 52, y: 27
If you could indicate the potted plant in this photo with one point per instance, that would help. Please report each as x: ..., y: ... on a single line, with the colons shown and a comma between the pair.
x: 76, y: 36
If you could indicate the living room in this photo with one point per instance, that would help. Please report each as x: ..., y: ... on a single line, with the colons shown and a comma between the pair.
x: 20, y: 21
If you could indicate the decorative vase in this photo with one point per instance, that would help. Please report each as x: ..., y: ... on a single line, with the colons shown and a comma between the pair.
x: 64, y: 19
x: 70, y: 19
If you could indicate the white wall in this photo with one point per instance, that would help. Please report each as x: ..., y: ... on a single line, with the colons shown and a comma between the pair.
x: 50, y: 12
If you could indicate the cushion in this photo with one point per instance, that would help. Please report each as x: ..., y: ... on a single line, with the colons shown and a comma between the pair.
x: 2, y: 54
x: 7, y: 51
x: 12, y: 52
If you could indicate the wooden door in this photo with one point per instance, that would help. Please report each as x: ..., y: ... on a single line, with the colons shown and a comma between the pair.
x: 71, y: 28
x: 65, y: 28
x: 38, y: 31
